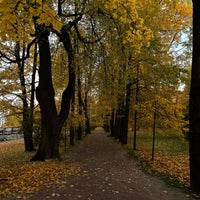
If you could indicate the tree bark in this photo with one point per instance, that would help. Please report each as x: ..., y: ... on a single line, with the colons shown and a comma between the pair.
x: 86, y: 112
x: 112, y: 120
x: 72, y: 127
x: 71, y: 135
x: 26, y: 123
x: 80, y: 103
x: 69, y: 91
x: 118, y: 120
x: 136, y: 113
x: 194, y: 133
x: 51, y: 122
x: 49, y: 144
x: 124, y: 138
x: 154, y: 132
x: 32, y: 99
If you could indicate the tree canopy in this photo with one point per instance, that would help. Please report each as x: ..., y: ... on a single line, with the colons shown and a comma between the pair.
x: 95, y: 62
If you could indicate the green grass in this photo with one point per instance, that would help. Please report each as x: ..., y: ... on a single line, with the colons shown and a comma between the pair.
x: 164, y: 142
x: 171, y: 155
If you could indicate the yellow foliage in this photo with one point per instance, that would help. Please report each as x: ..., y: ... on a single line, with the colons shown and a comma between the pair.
x: 75, y: 119
x: 165, y: 17
x: 48, y: 16
x: 125, y: 12
x: 17, y: 19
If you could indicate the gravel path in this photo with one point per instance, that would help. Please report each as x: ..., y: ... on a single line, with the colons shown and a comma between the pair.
x: 109, y: 175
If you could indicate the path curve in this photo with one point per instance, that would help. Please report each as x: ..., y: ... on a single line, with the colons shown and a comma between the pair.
x: 109, y: 175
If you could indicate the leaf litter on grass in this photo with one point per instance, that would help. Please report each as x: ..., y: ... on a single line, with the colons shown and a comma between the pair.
x: 20, y: 178
x: 173, y: 166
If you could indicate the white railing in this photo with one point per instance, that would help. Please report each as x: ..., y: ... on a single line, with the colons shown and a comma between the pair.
x: 8, y: 133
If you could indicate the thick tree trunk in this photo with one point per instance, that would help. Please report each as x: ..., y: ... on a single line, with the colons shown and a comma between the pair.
x: 27, y: 129
x: 72, y: 127
x: 194, y: 134
x: 124, y: 131
x: 118, y: 124
x: 49, y: 144
x: 51, y: 122
x: 69, y: 91
x: 119, y: 118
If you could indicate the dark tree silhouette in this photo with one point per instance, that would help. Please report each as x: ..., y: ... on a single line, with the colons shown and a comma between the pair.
x: 194, y: 134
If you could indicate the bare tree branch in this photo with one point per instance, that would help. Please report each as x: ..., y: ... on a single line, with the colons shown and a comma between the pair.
x: 9, y: 60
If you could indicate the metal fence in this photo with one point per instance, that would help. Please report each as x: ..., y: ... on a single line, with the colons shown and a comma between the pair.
x: 8, y: 133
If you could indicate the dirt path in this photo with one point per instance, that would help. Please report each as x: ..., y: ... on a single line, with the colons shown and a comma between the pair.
x: 109, y: 175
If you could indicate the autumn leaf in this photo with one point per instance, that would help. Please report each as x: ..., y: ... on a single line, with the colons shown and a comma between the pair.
x: 20, y: 178
x: 176, y: 166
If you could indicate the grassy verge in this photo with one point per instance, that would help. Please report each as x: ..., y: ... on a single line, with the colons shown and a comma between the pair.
x: 20, y: 178
x: 171, y: 159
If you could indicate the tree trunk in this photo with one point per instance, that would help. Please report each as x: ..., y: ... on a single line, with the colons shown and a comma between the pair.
x: 124, y: 138
x: 72, y: 127
x: 71, y: 135
x: 32, y: 104
x: 26, y: 123
x: 27, y: 130
x: 135, y: 113
x: 86, y: 112
x: 69, y: 91
x: 194, y: 134
x: 119, y: 117
x: 122, y: 127
x: 79, y: 132
x: 118, y: 123
x: 80, y: 104
x: 51, y: 123
x: 112, y: 120
x: 49, y: 144
x: 154, y: 132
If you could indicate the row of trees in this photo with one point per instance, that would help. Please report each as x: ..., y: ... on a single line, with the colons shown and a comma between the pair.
x: 124, y: 63
x: 148, y: 78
